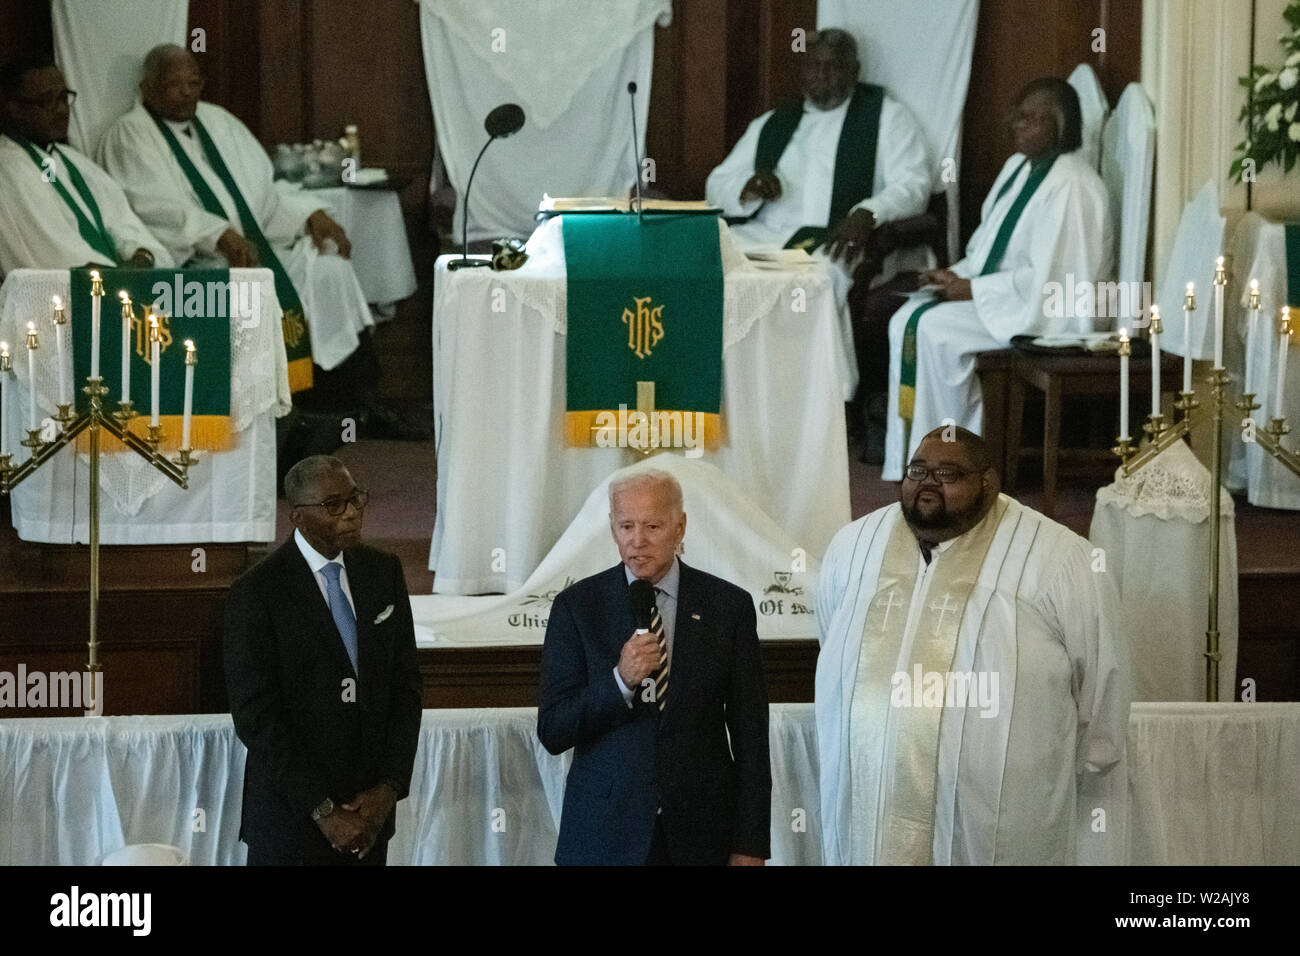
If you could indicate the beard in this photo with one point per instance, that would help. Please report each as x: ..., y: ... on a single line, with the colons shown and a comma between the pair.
x: 941, y: 519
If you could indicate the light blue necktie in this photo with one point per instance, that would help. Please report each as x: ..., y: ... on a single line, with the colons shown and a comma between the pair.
x: 344, y: 619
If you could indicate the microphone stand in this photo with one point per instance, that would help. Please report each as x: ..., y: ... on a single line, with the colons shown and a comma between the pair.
x: 465, y: 261
x: 636, y: 153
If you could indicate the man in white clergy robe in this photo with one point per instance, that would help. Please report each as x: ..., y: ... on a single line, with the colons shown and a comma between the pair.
x: 972, y: 676
x: 829, y: 168
x: 1046, y: 219
x: 58, y: 210
x: 313, y: 249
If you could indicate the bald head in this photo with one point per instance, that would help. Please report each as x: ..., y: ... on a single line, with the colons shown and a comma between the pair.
x: 973, y: 445
x: 171, y: 82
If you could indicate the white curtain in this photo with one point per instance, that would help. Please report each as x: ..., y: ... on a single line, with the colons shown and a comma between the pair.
x: 567, y: 63
x: 920, y: 51
x: 100, y: 48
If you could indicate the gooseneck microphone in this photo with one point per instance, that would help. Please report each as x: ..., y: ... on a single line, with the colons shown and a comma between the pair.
x: 636, y: 153
x: 503, y: 121
x: 641, y: 602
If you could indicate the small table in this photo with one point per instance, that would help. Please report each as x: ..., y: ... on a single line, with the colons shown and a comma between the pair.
x: 1060, y: 376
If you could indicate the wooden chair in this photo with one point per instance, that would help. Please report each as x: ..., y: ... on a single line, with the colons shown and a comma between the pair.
x: 1059, y: 377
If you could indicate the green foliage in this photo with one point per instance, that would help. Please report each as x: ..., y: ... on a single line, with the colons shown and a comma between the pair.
x: 1271, y: 115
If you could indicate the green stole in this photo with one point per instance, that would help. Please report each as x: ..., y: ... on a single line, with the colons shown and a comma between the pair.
x: 855, y: 157
x: 907, y: 377
x: 1292, y: 232
x: 297, y: 343
x: 901, y: 765
x: 94, y: 233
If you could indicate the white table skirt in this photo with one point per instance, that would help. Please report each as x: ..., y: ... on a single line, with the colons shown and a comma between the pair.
x: 507, y: 484
x: 1209, y: 784
x: 231, y: 494
x: 381, y: 254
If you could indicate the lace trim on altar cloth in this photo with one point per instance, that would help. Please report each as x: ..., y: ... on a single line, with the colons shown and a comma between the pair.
x: 1175, y: 486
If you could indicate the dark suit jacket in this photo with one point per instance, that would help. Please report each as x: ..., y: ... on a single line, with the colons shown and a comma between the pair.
x: 716, y: 798
x: 285, y: 670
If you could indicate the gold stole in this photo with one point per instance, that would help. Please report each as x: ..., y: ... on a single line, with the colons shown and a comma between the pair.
x: 903, y: 760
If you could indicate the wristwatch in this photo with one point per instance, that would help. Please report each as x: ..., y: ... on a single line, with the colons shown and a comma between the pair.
x: 323, y: 809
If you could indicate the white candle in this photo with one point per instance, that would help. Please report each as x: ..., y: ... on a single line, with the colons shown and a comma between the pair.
x: 4, y: 398
x: 32, y: 346
x: 1189, y: 303
x: 1155, y: 360
x: 1123, y: 383
x: 96, y: 293
x: 1250, y: 335
x: 1283, y: 342
x: 1219, y: 282
x: 126, y: 347
x: 65, y: 397
x: 191, y: 360
x: 155, y: 359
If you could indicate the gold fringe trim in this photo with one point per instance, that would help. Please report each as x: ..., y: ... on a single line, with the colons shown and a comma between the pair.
x: 208, y: 433
x: 601, y: 429
x: 300, y: 375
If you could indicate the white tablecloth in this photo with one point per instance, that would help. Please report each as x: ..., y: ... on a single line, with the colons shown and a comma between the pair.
x: 381, y: 254
x: 507, y: 484
x: 1209, y: 784
x: 231, y: 494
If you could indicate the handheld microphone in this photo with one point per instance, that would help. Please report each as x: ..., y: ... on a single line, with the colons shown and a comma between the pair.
x: 636, y: 153
x: 641, y: 602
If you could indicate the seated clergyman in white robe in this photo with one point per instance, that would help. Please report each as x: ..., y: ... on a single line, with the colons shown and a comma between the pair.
x: 58, y: 210
x: 972, y: 679
x: 140, y: 151
x: 1045, y: 219
x: 828, y: 169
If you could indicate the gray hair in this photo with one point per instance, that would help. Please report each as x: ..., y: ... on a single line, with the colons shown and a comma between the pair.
x: 305, y: 474
x: 650, y: 477
x: 839, y: 42
x: 156, y: 60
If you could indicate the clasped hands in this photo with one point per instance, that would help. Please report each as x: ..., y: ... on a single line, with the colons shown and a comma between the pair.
x: 354, y: 827
x: 949, y: 285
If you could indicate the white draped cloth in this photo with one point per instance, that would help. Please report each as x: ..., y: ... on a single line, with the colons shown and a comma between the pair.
x: 1008, y: 776
x: 1208, y: 783
x: 1128, y: 151
x: 381, y: 254
x: 1063, y: 236
x: 136, y: 153
x: 1153, y: 528
x: 231, y: 494
x: 100, y: 48
x: 39, y: 231
x: 727, y: 535
x: 1093, y: 108
x: 567, y: 63
x: 1198, y: 242
x: 499, y: 370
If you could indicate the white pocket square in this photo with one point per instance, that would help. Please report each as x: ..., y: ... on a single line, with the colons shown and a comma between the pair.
x: 384, y: 614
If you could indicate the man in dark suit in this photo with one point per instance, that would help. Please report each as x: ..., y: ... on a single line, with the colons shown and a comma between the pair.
x: 324, y: 685
x: 648, y: 711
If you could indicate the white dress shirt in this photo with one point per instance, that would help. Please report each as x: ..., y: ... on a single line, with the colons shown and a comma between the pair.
x: 316, y: 561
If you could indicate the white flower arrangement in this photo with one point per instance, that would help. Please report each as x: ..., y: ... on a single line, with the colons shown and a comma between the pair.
x: 1272, y: 134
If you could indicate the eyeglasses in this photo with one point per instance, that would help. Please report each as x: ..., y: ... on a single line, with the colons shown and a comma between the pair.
x: 50, y: 101
x: 334, y: 507
x: 942, y: 474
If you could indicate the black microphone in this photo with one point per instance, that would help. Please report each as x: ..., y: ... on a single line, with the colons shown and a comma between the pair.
x: 641, y: 601
x: 503, y: 121
x: 636, y: 153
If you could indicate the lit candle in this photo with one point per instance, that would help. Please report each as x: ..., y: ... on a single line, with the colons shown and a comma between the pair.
x: 1253, y: 306
x: 60, y: 320
x: 4, y: 399
x: 1189, y: 306
x: 1124, y: 350
x: 1283, y: 342
x: 191, y: 360
x: 32, y: 346
x: 155, y: 360
x: 1220, y: 280
x: 1155, y: 360
x: 96, y: 293
x: 126, y: 346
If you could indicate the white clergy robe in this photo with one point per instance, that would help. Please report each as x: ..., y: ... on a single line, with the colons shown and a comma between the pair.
x: 901, y: 188
x: 1063, y: 231
x: 1041, y: 629
x: 39, y: 231
x: 137, y: 154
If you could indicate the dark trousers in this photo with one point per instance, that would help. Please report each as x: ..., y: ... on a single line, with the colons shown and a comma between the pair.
x: 871, y: 311
x: 658, y: 855
x: 259, y: 855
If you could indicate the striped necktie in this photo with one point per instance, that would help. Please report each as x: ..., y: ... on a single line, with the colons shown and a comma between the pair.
x: 661, y: 675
